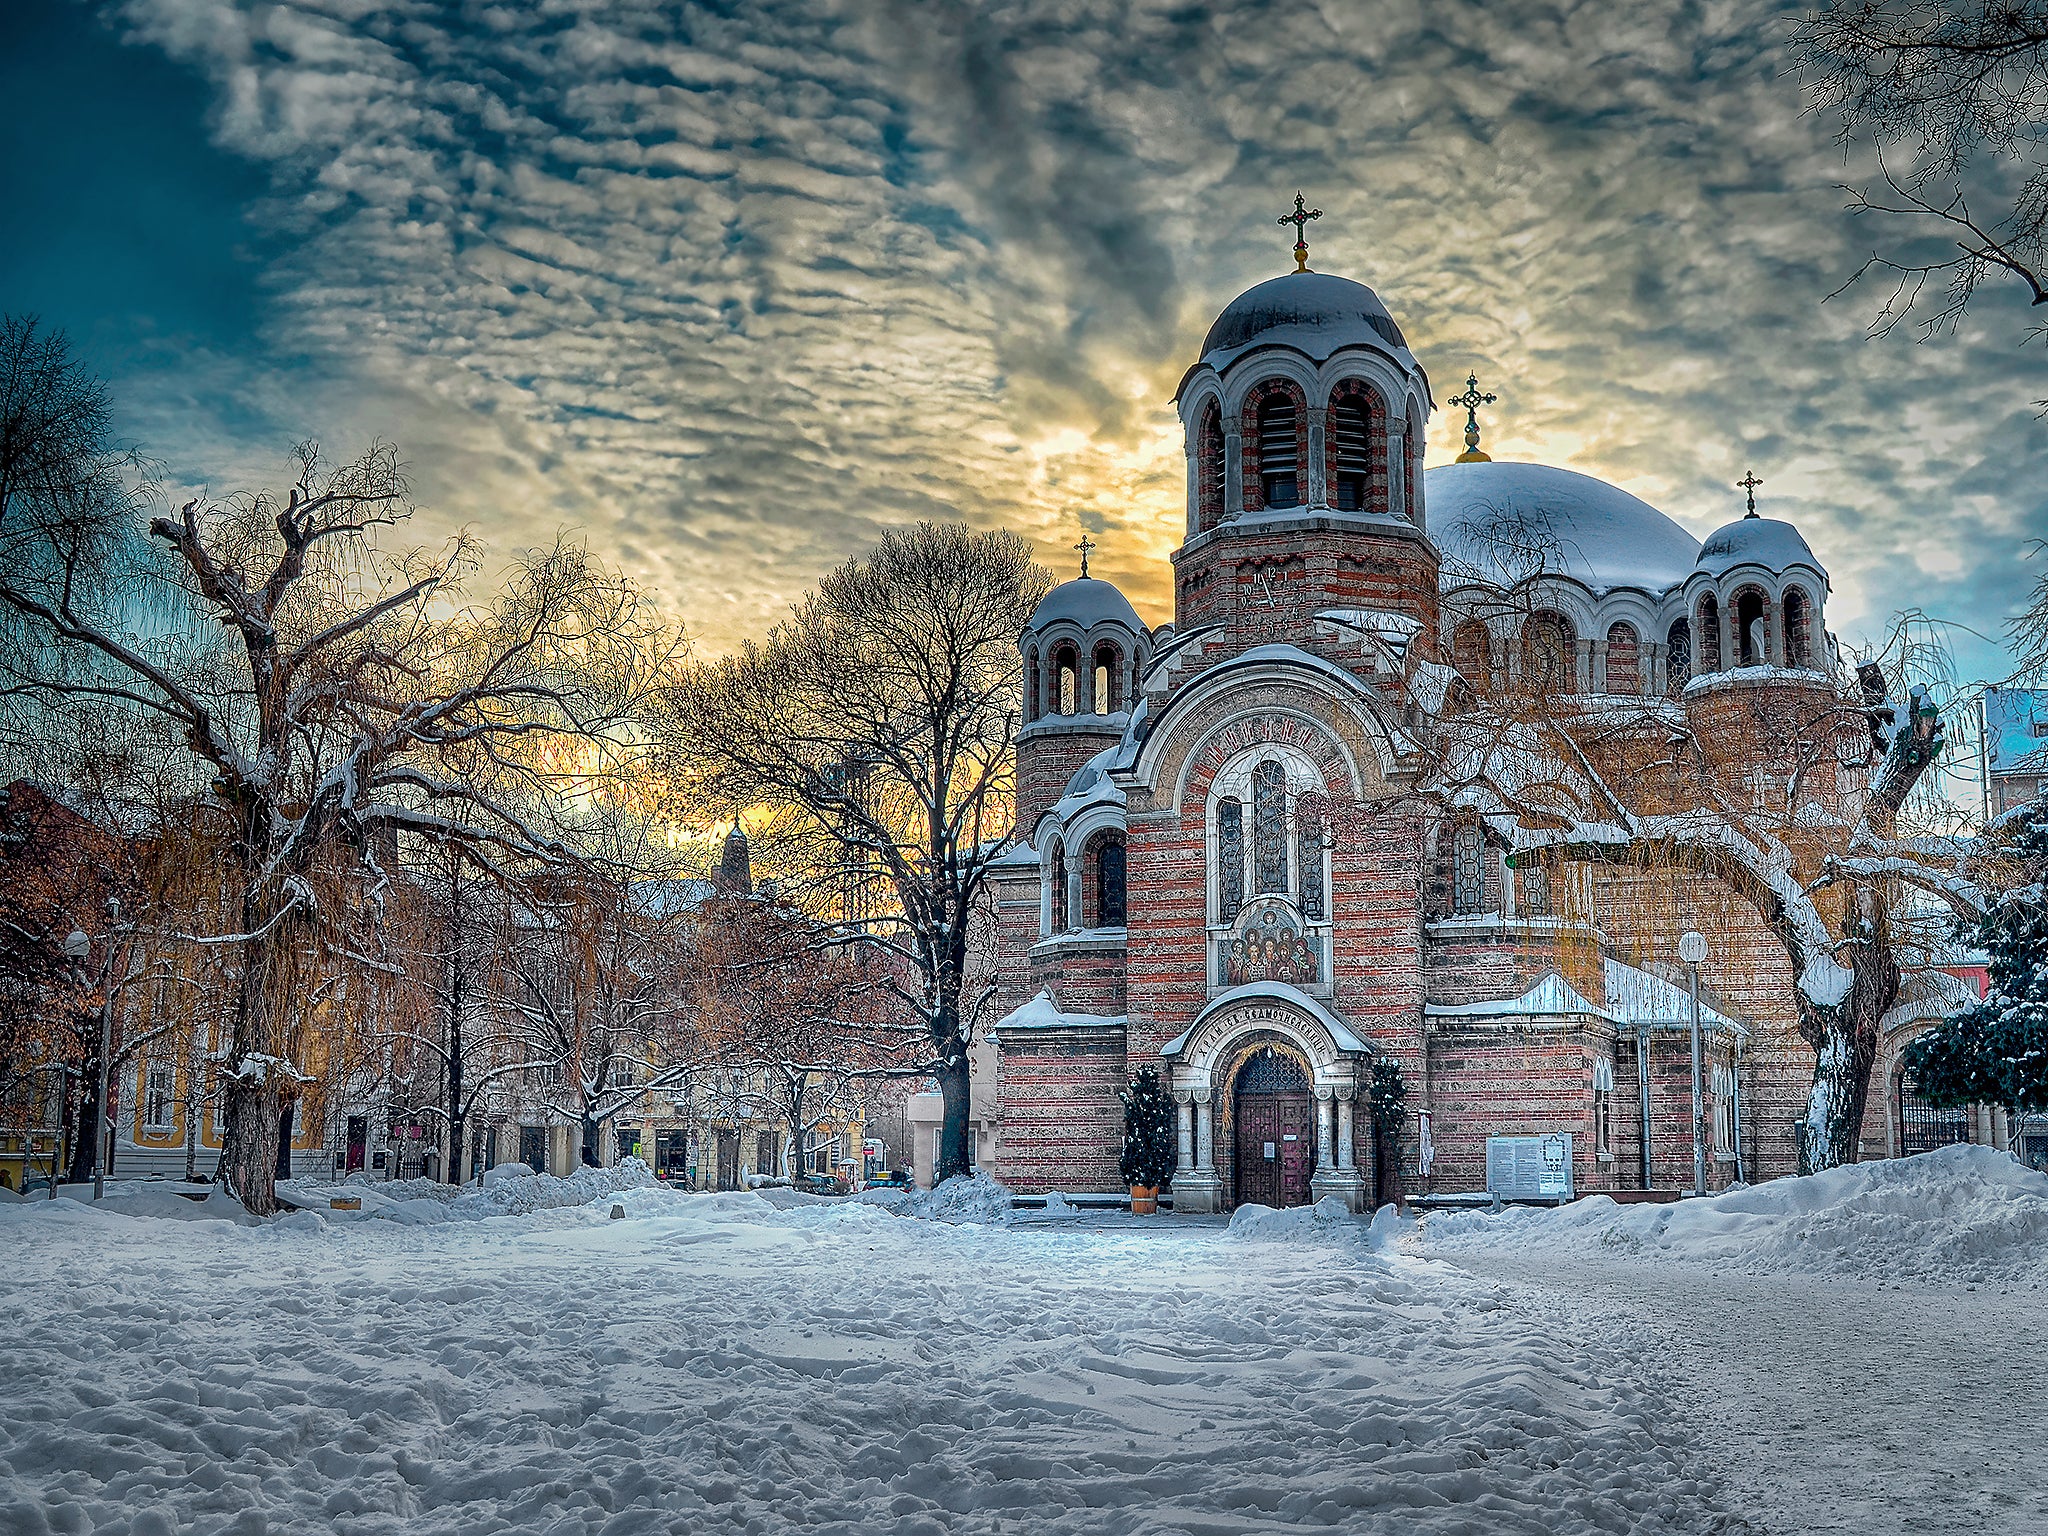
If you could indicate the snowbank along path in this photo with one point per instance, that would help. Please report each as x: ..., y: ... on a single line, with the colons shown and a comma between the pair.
x: 714, y: 1364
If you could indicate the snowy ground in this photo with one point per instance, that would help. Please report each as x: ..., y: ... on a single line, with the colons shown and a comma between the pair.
x: 729, y: 1364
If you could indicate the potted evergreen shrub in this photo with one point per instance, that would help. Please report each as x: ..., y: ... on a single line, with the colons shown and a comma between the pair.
x: 1150, y: 1141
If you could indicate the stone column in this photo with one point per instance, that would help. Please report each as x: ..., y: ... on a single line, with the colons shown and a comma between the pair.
x: 1324, y: 1150
x: 1205, y: 1134
x: 1344, y: 1132
x: 1397, y: 489
x: 1313, y: 481
x: 1233, y: 474
x: 1599, y: 666
x: 1186, y: 1118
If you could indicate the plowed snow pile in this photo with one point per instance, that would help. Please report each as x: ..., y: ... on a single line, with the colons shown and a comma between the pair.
x: 1964, y: 1213
x: 510, y: 1189
x: 958, y: 1201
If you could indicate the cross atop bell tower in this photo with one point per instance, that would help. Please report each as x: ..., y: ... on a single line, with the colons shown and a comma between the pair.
x: 1299, y: 218
x: 1085, y: 546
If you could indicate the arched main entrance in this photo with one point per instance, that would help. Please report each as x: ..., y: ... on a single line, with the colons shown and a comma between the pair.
x: 1273, y: 1129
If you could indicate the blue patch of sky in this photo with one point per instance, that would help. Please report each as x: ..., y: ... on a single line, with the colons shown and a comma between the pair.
x: 129, y: 228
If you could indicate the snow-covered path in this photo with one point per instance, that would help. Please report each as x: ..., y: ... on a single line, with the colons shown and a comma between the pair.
x: 1900, y: 1408
x: 713, y: 1365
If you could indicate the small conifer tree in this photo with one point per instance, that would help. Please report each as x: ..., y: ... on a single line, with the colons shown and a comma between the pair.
x: 1151, y: 1144
x: 1995, y: 1050
x: 1387, y: 1098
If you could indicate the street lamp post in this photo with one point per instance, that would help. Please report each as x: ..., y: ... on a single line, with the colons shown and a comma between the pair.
x: 1692, y: 949
x: 78, y: 948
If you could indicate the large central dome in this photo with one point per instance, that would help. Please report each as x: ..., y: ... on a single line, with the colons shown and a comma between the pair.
x: 1503, y: 523
x: 1310, y: 311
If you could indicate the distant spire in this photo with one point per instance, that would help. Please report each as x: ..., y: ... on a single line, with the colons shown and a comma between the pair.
x: 1471, y: 400
x: 1084, y: 546
x: 1749, y: 483
x: 735, y: 875
x: 1298, y: 218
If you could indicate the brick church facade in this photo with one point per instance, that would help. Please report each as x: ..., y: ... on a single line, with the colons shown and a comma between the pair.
x: 1174, y: 900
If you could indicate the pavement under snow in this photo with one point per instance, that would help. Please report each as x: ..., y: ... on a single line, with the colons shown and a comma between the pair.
x: 720, y: 1363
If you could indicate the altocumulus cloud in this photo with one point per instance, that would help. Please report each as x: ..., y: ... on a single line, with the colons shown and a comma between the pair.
x: 733, y: 289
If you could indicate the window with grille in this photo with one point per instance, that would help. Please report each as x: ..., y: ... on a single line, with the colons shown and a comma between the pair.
x: 1279, y: 478
x: 1109, y: 883
x: 1229, y: 859
x: 1536, y: 889
x: 1354, y: 464
x: 1603, y: 1105
x: 1468, y: 878
x: 1308, y: 859
x: 1269, y: 829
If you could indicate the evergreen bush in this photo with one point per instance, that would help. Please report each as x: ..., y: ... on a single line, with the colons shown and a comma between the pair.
x: 1151, y: 1140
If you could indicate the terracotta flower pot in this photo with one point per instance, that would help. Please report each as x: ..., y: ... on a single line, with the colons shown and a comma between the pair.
x: 1144, y: 1199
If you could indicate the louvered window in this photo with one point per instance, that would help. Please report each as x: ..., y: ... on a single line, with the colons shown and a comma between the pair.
x: 1347, y: 430
x: 1280, y: 481
x: 1059, y: 888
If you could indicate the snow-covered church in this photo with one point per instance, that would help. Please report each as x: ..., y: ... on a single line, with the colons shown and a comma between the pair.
x: 1167, y: 904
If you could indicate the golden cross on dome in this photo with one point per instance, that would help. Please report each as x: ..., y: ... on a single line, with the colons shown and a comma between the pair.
x: 1084, y: 546
x: 1301, y: 215
x: 1471, y: 400
x: 1749, y: 483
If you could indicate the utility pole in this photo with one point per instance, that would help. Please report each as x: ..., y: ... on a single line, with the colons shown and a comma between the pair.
x: 1692, y: 949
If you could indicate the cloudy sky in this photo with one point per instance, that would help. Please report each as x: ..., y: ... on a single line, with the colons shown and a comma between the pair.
x: 730, y: 288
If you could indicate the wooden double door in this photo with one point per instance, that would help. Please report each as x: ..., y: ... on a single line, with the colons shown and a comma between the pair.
x: 1275, y: 1148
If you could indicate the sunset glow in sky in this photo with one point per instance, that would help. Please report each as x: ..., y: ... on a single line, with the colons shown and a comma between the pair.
x: 732, y: 288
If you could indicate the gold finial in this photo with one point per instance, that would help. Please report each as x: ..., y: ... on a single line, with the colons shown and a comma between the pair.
x: 1084, y: 546
x: 1471, y: 400
x: 1298, y: 218
x: 1749, y: 483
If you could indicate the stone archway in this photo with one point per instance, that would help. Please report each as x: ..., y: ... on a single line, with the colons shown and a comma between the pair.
x: 1206, y: 1065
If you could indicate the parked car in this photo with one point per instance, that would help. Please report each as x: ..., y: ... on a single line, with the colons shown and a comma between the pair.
x: 818, y: 1184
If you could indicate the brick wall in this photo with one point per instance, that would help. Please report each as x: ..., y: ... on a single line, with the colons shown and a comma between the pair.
x: 1063, y: 1126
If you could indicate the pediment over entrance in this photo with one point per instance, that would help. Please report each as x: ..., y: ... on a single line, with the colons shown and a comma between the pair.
x: 1330, y: 1046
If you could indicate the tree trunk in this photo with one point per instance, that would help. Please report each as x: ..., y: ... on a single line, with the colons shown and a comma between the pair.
x: 254, y: 1095
x: 248, y: 1154
x: 85, y: 1140
x: 1844, y: 1040
x: 954, y: 1091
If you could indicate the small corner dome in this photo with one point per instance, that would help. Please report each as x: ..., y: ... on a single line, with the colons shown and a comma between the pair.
x: 1766, y: 541
x: 1086, y: 601
x: 1314, y: 312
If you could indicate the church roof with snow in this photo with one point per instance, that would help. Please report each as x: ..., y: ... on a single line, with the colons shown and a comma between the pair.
x: 1501, y: 523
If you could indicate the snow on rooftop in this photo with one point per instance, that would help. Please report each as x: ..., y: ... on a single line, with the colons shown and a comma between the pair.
x: 1634, y: 998
x: 1762, y: 541
x: 1501, y: 523
x: 1043, y: 1013
x: 1086, y: 601
x: 1316, y: 313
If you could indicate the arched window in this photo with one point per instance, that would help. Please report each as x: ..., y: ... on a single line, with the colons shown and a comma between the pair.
x: 1067, y: 687
x: 1108, y: 682
x: 1308, y: 864
x: 1059, y: 887
x: 1799, y: 648
x: 1707, y: 636
x: 1279, y: 466
x: 1350, y: 453
x: 1752, y: 627
x: 1032, y: 700
x: 1109, y: 881
x: 1549, y: 654
x: 1229, y: 859
x: 1269, y: 829
x: 1678, y: 654
x: 1624, y: 664
x: 1471, y: 654
x: 1535, y: 877
x: 1468, y: 874
x: 1209, y: 468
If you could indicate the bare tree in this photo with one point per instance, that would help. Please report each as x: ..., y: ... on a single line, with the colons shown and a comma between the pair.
x: 794, y: 1026
x: 1953, y: 95
x: 874, y: 728
x: 332, y: 696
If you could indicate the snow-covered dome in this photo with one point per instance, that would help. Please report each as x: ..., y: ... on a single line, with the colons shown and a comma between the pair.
x: 1765, y: 541
x: 1502, y: 523
x: 1313, y: 312
x: 1086, y: 601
